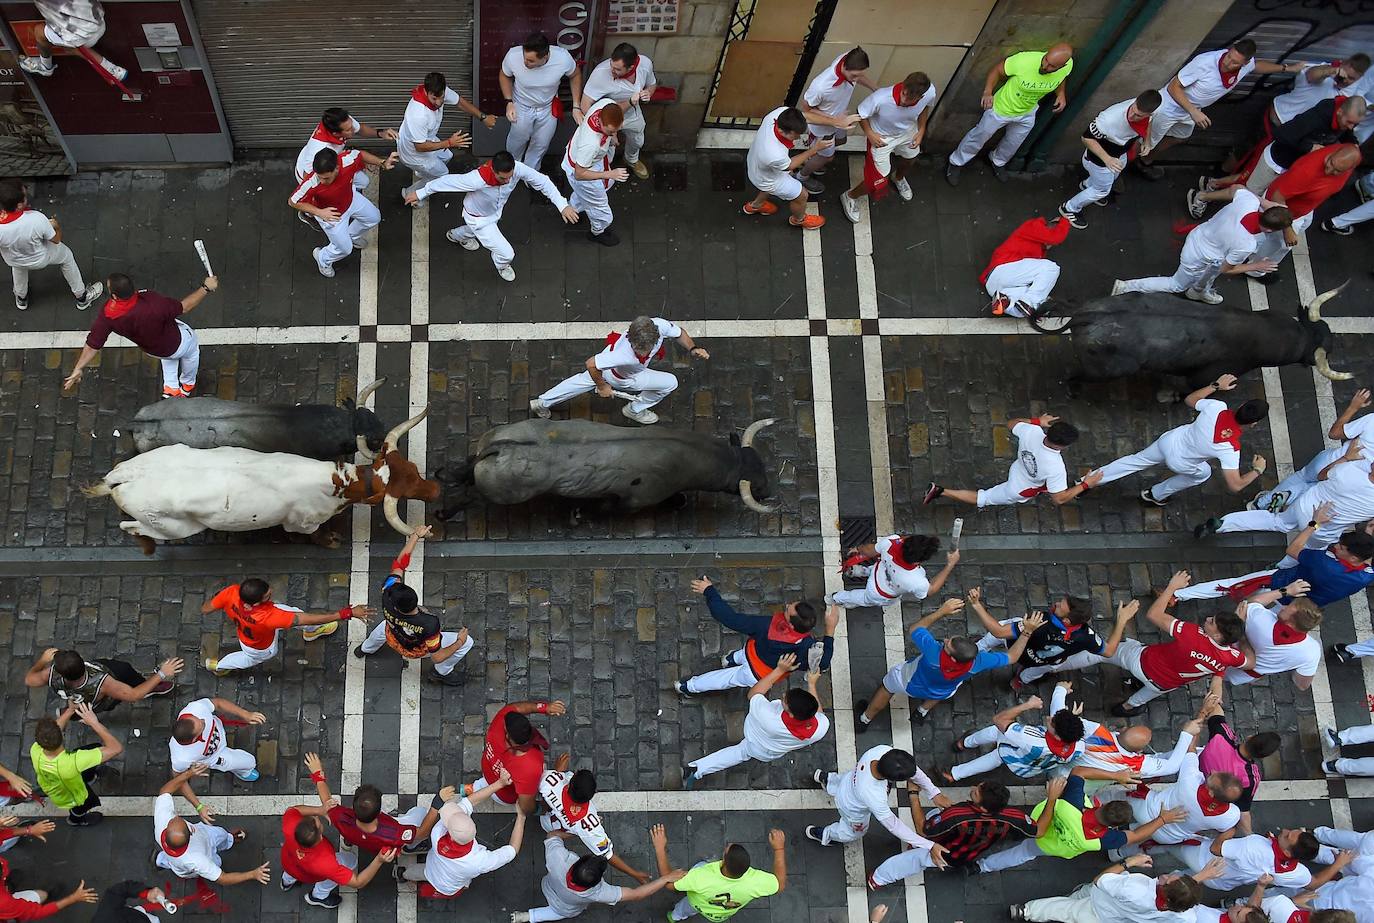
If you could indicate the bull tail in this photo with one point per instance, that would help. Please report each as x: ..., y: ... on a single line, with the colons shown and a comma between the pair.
x: 1054, y: 318
x: 100, y: 489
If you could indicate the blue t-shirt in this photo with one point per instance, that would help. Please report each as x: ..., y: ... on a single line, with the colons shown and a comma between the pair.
x: 1331, y: 580
x: 928, y: 681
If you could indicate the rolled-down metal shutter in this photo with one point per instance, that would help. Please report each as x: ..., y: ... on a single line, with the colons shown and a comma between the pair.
x: 279, y: 63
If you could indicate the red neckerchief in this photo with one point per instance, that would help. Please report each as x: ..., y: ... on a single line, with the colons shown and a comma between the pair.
x: 1300, y: 916
x: 170, y: 850
x: 1228, y: 81
x: 118, y: 307
x: 574, y: 810
x: 1210, y: 806
x: 574, y: 886
x: 897, y: 97
x: 327, y: 136
x: 1227, y: 429
x: 1160, y: 902
x: 451, y: 850
x: 1093, y: 828
x: 1251, y: 223
x: 613, y: 337
x: 1060, y: 748
x: 951, y: 668
x: 200, y: 738
x: 1336, y: 112
x: 780, y: 629
x: 488, y: 174
x: 420, y: 96
x: 1350, y: 566
x: 632, y: 72
x: 896, y: 551
x: 839, y: 73
x: 1282, y: 861
x: 7, y: 217
x: 802, y: 730
x: 1140, y: 126
x: 594, y: 120
x: 782, y: 139
x: 1287, y: 634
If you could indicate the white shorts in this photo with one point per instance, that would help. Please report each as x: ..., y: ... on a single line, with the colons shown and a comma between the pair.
x: 1162, y: 126
x: 785, y: 186
x: 896, y: 679
x: 898, y: 147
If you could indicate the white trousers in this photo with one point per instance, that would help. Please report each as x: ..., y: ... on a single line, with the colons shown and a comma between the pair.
x: 1028, y: 281
x: 1127, y: 657
x: 1359, y: 213
x: 723, y: 759
x: 1301, y: 479
x: 377, y: 637
x: 1364, y: 766
x: 426, y: 167
x: 530, y: 134
x: 651, y: 386
x: 220, y: 840
x: 989, y: 761
x: 1186, y: 473
x: 1333, y: 839
x: 1215, y: 589
x: 322, y: 888
x: 486, y: 232
x: 1017, y: 126
x: 903, y: 865
x: 1296, y: 515
x: 227, y: 759
x: 849, y: 827
x: 182, y: 366
x: 59, y: 255
x: 633, y: 130
x: 590, y: 197
x: 1023, y: 852
x: 1074, y: 908
x: 1272, y: 246
x: 1098, y: 187
x: 360, y: 217
x: 245, y: 658
x: 738, y: 676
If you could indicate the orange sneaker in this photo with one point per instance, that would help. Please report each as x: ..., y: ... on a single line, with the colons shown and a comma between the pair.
x: 767, y: 208
x: 999, y: 305
x: 809, y: 223
x: 187, y: 389
x: 171, y: 392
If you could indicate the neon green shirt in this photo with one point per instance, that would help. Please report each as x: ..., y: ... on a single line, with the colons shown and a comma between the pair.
x: 60, y: 776
x: 718, y: 898
x: 1025, y: 85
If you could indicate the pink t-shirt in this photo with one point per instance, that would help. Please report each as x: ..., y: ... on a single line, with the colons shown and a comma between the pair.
x: 1222, y: 754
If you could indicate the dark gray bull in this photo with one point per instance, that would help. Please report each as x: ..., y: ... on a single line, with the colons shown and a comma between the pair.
x: 317, y: 431
x: 1153, y: 332
x: 623, y: 467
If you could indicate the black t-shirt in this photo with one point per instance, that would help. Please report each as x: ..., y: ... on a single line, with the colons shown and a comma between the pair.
x: 1313, y: 127
x: 414, y: 634
x: 114, y: 904
x: 1054, y: 642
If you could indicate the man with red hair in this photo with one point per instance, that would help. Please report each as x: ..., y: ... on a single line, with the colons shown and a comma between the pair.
x: 587, y: 164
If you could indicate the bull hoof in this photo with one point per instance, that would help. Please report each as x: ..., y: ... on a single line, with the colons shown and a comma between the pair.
x: 146, y: 544
x: 1167, y: 396
x: 325, y: 539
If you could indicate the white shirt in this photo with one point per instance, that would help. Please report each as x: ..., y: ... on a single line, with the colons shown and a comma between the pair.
x: 828, y: 93
x: 199, y: 860
x: 1036, y: 465
x: 589, y: 148
x: 449, y: 876
x: 1363, y: 430
x: 1280, y: 909
x: 620, y: 359
x: 421, y: 123
x: 536, y: 87
x: 888, y: 118
x: 1184, y: 794
x: 1195, y: 442
x: 24, y: 241
x: 589, y: 829
x: 1304, y: 95
x: 76, y: 23
x: 211, y: 741
x: 562, y: 898
x: 484, y: 201
x: 858, y: 794
x: 1130, y: 896
x: 601, y: 85
x: 1222, y: 237
x: 1352, y: 892
x: 1112, y: 123
x: 769, y: 156
x: 892, y: 581
x: 764, y: 730
x: 1249, y: 857
x: 321, y: 139
x: 1103, y: 750
x: 1273, y: 657
x: 1202, y: 84
x: 1347, y: 486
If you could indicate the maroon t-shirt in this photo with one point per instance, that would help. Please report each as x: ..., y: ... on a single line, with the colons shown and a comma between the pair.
x: 150, y: 324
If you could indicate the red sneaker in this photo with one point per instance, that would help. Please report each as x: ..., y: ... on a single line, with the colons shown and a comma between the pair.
x: 809, y: 223
x: 767, y: 208
x: 999, y: 305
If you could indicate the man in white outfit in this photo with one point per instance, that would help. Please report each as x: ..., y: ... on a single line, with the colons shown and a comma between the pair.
x: 569, y: 807
x: 624, y: 366
x: 1344, y: 223
x: 1223, y: 245
x: 76, y: 24
x: 1188, y: 450
x: 772, y: 729
x: 343, y: 212
x: 1248, y: 858
x: 1112, y: 138
x: 573, y: 883
x: 456, y: 859
x: 191, y: 850
x: 893, y: 569
x: 1344, y: 430
x: 1119, y: 894
x: 1205, y: 799
x: 335, y: 130
x: 628, y: 78
x: 418, y: 142
x: 893, y: 120
x: 530, y: 77
x: 31, y: 240
x: 587, y: 165
x: 488, y: 189
x: 198, y: 736
x: 1038, y: 468
x: 1316, y: 82
x: 771, y: 165
x: 825, y: 105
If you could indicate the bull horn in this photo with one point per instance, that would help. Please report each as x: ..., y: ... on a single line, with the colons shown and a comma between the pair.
x: 364, y: 451
x: 367, y: 392
x: 754, y: 429
x: 393, y: 438
x: 746, y: 493
x: 1319, y: 360
x: 393, y: 516
x: 1314, y: 310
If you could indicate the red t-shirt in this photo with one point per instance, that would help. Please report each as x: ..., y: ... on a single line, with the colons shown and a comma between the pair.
x: 257, y: 625
x: 390, y: 833
x: 1305, y: 186
x: 337, y: 194
x: 316, y: 864
x: 1027, y: 242
x: 1190, y: 655
x: 16, y: 908
x: 525, y: 769
x: 150, y: 324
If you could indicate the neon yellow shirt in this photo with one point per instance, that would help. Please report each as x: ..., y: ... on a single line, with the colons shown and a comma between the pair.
x: 717, y: 897
x: 1025, y: 85
x: 60, y: 776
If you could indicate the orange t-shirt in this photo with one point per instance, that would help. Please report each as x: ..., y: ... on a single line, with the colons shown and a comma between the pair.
x: 257, y: 625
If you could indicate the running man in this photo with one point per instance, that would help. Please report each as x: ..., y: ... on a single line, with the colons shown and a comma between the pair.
x: 893, y: 569
x: 573, y: 883
x: 1038, y: 468
x: 78, y: 24
x: 335, y: 130
x: 861, y: 794
x: 771, y: 166
x: 103, y: 682
x: 260, y: 621
x: 587, y: 165
x: 191, y: 850
x: 1111, y: 139
x: 418, y: 144
x: 455, y: 858
x: 345, y: 215
x: 825, y: 104
x: 198, y: 736
x: 569, y: 808
x: 514, y: 752
x: 718, y: 890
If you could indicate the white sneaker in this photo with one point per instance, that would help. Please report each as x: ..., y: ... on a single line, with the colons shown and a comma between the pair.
x: 505, y: 272
x: 467, y: 243
x: 1196, y: 206
x: 39, y: 67
x: 849, y: 207
x: 646, y: 417
x: 88, y: 297
x: 326, y: 271
x: 520, y: 916
x: 903, y: 188
x: 1208, y: 296
x: 1118, y: 287
x: 21, y: 303
x: 540, y: 409
x: 114, y: 70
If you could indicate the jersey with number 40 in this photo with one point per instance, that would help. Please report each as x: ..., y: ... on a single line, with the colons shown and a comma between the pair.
x: 581, y: 820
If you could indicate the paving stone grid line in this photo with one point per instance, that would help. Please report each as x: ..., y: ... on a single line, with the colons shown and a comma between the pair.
x: 367, y: 335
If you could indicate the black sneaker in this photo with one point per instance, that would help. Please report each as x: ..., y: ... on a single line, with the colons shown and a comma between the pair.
x: 1334, y: 736
x: 1329, y: 767
x: 1149, y: 170
x: 1341, y: 652
x: 819, y: 777
x: 932, y: 493
x: 1017, y: 911
x: 452, y: 678
x: 606, y: 238
x: 1210, y: 527
x: 812, y: 185
x: 398, y: 872
x: 1126, y: 711
x: 952, y: 174
x: 419, y: 847
x: 359, y: 652
x: 1002, y: 173
x: 329, y: 901
x: 89, y: 819
x: 1268, y: 278
x: 1330, y: 228
x: 814, y: 833
x: 1073, y: 218
x: 682, y: 690
x: 287, y: 887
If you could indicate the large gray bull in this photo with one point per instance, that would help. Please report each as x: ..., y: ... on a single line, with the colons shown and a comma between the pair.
x: 1154, y: 332
x: 320, y: 431
x: 625, y: 468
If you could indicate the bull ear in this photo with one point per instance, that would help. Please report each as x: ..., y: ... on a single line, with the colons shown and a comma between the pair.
x: 348, y: 403
x: 734, y: 440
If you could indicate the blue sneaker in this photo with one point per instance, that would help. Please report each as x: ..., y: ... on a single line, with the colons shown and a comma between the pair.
x: 252, y: 776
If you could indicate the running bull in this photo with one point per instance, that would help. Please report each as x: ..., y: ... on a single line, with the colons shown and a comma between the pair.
x: 625, y: 468
x: 175, y: 491
x: 318, y: 431
x: 1161, y: 333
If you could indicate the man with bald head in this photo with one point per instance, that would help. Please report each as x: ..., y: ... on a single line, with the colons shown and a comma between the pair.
x: 1120, y: 755
x: 1025, y: 78
x: 190, y: 850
